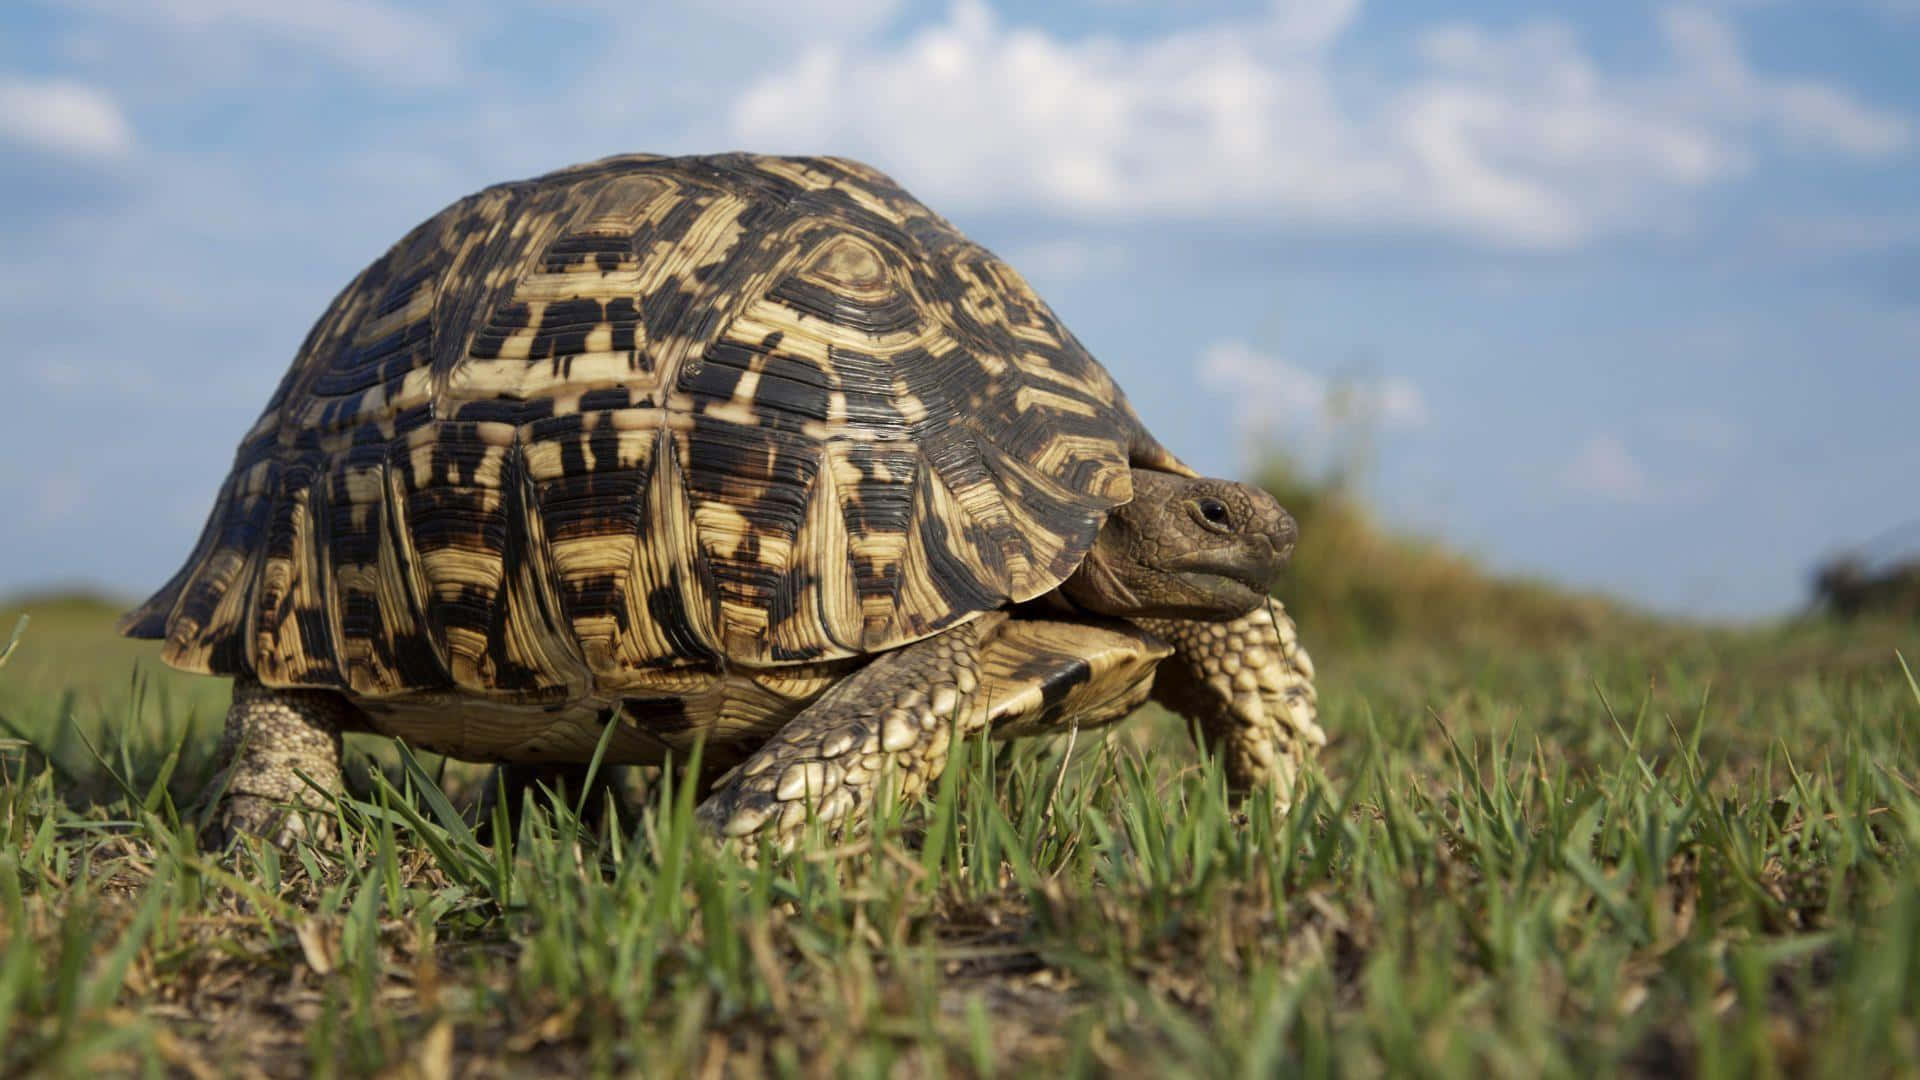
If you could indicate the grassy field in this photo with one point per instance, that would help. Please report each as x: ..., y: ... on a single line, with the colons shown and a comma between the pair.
x: 1548, y: 838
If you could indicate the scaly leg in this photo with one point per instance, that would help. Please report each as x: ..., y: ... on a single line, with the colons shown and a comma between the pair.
x: 272, y: 737
x: 1248, y: 686
x: 889, y: 723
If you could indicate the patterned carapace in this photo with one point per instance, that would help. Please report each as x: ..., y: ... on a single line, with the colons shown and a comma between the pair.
x: 653, y: 415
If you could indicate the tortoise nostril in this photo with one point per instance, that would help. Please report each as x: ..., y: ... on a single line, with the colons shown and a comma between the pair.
x: 1285, y: 534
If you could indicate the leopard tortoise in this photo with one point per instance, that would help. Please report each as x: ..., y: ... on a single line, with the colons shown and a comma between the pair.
x: 752, y: 450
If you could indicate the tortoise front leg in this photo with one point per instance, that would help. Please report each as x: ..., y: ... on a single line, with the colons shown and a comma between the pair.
x: 889, y: 723
x: 1247, y: 685
x: 272, y: 737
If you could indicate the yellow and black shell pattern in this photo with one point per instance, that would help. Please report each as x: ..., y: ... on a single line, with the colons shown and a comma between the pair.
x: 649, y: 414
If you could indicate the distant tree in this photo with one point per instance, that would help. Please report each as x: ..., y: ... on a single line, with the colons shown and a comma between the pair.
x: 1847, y: 587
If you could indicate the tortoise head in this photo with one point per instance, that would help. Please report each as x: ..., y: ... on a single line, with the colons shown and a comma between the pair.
x: 1186, y: 548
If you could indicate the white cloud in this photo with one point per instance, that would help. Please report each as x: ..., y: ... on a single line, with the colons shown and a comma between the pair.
x: 1279, y: 402
x: 1066, y: 259
x: 390, y: 43
x: 1603, y: 467
x: 1516, y: 137
x: 63, y: 116
x: 1820, y: 114
x: 1809, y: 113
x: 832, y: 18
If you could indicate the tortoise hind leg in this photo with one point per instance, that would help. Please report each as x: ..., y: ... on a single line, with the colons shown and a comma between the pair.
x: 272, y: 737
x: 890, y: 722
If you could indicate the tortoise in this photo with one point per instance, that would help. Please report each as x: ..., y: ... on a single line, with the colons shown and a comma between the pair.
x: 750, y: 451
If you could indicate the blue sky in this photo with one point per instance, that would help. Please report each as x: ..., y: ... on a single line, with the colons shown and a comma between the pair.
x: 1626, y: 295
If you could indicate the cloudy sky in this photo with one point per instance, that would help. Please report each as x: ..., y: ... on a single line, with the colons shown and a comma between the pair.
x: 1623, y: 294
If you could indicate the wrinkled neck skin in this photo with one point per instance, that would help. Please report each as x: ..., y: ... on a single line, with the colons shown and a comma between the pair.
x: 1184, y: 548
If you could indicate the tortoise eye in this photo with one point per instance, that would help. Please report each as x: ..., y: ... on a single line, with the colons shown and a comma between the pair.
x: 1214, y: 513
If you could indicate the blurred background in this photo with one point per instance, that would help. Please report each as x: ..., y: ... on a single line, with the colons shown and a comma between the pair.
x: 1621, y: 297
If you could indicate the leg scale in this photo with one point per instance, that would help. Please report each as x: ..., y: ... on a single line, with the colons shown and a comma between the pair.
x: 890, y: 724
x: 272, y: 737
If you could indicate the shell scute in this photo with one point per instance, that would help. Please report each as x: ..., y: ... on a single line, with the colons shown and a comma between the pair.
x: 579, y: 432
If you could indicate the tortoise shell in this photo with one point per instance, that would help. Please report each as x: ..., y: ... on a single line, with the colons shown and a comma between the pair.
x: 649, y: 414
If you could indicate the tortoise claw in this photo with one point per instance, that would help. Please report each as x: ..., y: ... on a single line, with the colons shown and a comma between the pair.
x: 271, y: 820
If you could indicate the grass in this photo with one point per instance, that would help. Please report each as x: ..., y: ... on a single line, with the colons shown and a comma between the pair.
x: 1620, y: 846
